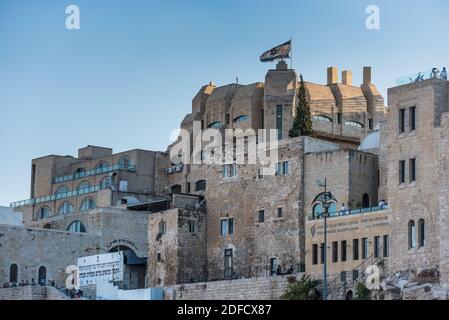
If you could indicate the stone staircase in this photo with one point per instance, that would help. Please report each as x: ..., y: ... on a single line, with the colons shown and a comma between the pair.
x: 32, y: 293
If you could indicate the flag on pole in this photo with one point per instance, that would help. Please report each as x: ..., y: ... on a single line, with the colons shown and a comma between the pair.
x: 280, y: 52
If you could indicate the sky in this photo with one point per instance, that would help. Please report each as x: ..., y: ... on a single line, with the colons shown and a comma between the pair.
x: 126, y: 78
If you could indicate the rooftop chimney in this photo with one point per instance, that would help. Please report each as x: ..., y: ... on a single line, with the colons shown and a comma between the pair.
x: 366, y: 75
x: 346, y: 77
x: 332, y: 75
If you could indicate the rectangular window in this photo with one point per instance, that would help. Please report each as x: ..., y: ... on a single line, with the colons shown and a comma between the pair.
x: 162, y: 227
x: 386, y: 247
x: 343, y: 251
x: 159, y: 257
x: 192, y: 226
x: 231, y: 226
x: 315, y: 254
x: 401, y: 171
x: 279, y: 121
x: 273, y: 266
x: 343, y: 276
x: 364, y: 248
x: 188, y: 187
x: 285, y: 167
x: 376, y: 247
x: 412, y: 169
x: 280, y: 214
x: 370, y: 124
x: 339, y: 118
x: 227, y: 118
x: 224, y: 227
x: 322, y: 253
x: 412, y: 118
x: 335, y: 251
x: 261, y: 216
x: 228, y: 264
x: 401, y: 120
x: 355, y: 249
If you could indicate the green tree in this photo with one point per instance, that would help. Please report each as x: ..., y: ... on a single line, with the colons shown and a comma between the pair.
x: 304, y: 289
x: 302, y: 123
x: 362, y: 292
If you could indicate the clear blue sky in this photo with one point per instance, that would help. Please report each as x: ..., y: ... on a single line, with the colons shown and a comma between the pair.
x: 126, y: 78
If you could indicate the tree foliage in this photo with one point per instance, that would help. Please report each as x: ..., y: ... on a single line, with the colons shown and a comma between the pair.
x: 302, y: 123
x: 304, y: 289
x: 362, y: 292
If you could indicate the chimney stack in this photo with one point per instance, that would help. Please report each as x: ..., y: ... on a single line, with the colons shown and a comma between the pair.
x: 332, y: 75
x: 366, y: 75
x: 346, y: 77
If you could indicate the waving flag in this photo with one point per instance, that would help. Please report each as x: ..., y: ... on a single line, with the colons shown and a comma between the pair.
x: 280, y: 52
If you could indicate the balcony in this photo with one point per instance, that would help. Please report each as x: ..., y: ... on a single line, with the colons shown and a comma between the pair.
x: 54, y: 197
x: 351, y: 212
x: 93, y: 172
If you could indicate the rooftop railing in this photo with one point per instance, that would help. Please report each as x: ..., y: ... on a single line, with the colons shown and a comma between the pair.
x: 348, y: 212
x: 59, y: 196
x: 421, y: 76
x: 93, y: 172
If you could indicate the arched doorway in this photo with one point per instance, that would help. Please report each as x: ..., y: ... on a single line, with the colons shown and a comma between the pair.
x: 134, y: 268
x: 349, y: 295
x: 365, y: 201
x: 42, y: 276
x: 13, y: 273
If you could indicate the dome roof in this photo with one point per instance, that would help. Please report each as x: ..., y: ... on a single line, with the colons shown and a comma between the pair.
x: 372, y: 141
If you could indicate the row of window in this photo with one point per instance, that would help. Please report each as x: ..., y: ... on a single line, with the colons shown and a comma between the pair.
x: 14, y: 275
x: 412, y: 234
x: 339, y: 250
x: 261, y: 214
x: 66, y: 208
x: 218, y: 124
x: 105, y: 183
x: 348, y: 123
x: 411, y: 119
x: 411, y: 171
x: 124, y: 162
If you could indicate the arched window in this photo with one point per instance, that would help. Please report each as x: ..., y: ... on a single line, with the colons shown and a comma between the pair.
x: 43, y: 212
x: 215, y: 125
x: 87, y: 204
x: 322, y: 118
x: 102, y: 167
x: 61, y: 190
x: 125, y: 162
x: 354, y: 124
x: 411, y: 234
x: 200, y: 185
x: 317, y: 210
x: 76, y: 226
x: 13, y: 273
x: 365, y: 201
x: 79, y: 173
x: 83, y: 187
x: 65, y: 208
x: 241, y: 118
x: 106, y: 183
x: 421, y: 233
x: 42, y: 275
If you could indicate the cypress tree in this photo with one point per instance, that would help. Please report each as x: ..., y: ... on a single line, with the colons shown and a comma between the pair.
x: 302, y: 123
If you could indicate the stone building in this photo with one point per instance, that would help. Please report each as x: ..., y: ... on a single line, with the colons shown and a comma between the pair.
x: 202, y: 223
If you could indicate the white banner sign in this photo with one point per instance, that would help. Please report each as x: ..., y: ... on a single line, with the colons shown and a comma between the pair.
x: 102, y: 267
